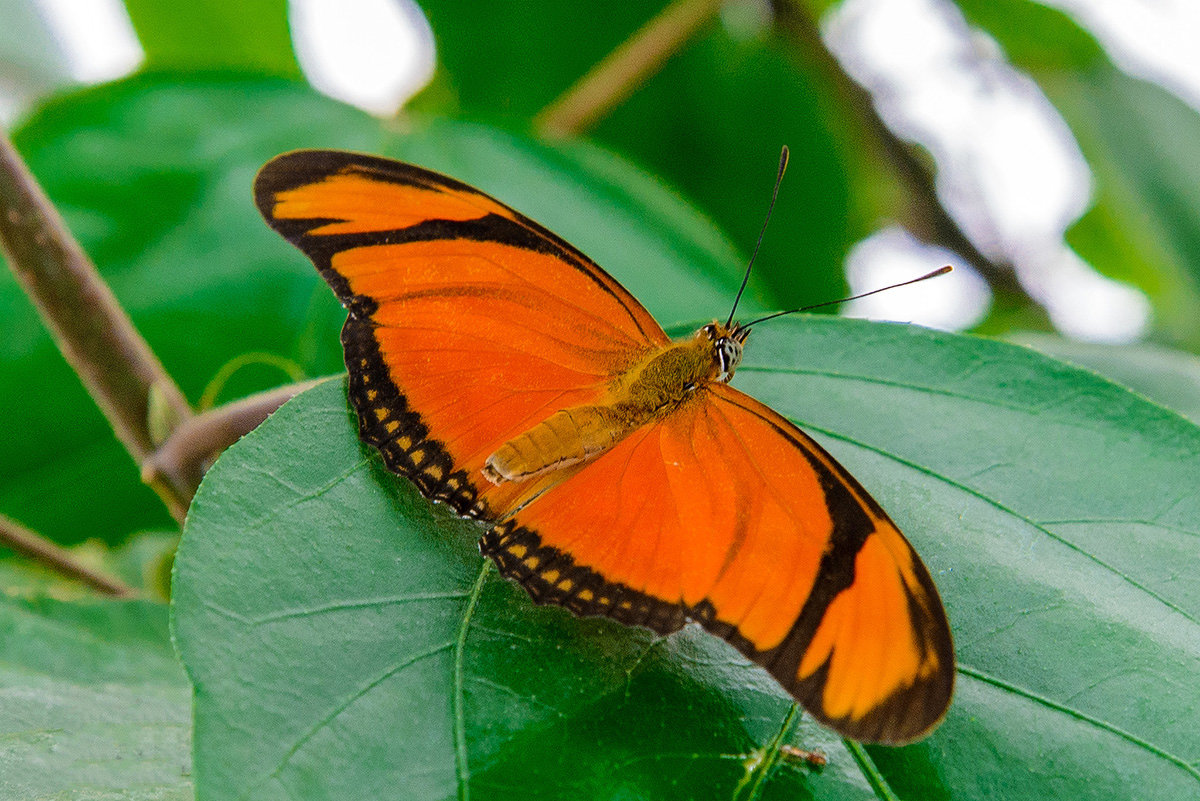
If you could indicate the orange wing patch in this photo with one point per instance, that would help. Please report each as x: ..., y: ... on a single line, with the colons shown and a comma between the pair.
x: 362, y: 203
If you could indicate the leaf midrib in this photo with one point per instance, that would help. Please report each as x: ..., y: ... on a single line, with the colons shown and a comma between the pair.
x: 462, y: 769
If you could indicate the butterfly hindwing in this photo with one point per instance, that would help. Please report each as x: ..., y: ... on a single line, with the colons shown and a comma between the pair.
x: 763, y: 538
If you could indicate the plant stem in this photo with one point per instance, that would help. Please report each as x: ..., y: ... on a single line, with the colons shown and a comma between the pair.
x: 89, y: 326
x: 615, y: 76
x: 28, y: 543
x: 927, y: 217
x: 193, y: 445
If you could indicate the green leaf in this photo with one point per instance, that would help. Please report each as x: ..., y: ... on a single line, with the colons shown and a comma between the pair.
x: 93, y: 703
x: 343, y: 637
x: 250, y: 36
x: 162, y: 204
x: 143, y: 563
x: 1169, y: 377
x: 1143, y: 146
x: 373, y: 647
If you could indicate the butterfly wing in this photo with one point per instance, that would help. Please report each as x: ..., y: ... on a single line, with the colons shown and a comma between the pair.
x: 469, y: 323
x: 726, y: 513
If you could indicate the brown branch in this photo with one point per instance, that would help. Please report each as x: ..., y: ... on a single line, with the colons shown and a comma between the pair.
x: 928, y: 218
x: 194, y: 444
x: 615, y: 76
x: 20, y: 539
x: 91, y: 329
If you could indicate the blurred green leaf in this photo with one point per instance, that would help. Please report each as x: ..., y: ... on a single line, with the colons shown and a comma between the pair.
x: 93, y: 703
x: 153, y: 176
x: 320, y: 601
x: 1166, y: 376
x: 144, y: 563
x: 1143, y: 146
x: 1037, y: 38
x: 250, y: 36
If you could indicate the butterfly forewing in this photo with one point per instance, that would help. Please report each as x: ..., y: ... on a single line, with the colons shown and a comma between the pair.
x: 470, y: 324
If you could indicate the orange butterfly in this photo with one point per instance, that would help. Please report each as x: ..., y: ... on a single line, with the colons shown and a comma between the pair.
x: 507, y: 375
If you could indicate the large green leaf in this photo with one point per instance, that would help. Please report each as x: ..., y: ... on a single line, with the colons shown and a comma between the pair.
x: 153, y: 175
x: 1143, y: 146
x: 374, y: 649
x: 93, y: 703
x: 345, y: 639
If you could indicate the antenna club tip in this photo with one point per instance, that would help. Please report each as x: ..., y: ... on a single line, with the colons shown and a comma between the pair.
x: 784, y: 154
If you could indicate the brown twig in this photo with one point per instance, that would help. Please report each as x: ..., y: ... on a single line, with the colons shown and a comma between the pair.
x: 20, y: 539
x: 195, y: 443
x: 91, y: 329
x: 615, y: 76
x: 928, y: 218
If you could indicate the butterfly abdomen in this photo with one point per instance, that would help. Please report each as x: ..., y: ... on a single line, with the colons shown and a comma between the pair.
x: 651, y: 388
x: 567, y: 437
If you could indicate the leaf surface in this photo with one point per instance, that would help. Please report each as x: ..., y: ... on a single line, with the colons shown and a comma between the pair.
x: 343, y: 635
x: 93, y: 703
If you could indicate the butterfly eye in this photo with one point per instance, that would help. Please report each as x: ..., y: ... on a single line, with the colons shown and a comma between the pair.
x: 728, y: 353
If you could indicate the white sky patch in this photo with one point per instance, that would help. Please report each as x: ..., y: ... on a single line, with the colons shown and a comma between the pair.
x: 374, y: 54
x: 96, y: 35
x: 1153, y: 39
x: 952, y: 302
x: 1089, y: 306
x: 1008, y: 168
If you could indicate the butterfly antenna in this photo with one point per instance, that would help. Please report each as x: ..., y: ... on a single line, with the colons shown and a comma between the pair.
x: 926, y: 277
x: 783, y: 161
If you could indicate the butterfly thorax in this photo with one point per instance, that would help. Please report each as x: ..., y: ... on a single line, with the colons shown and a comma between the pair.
x: 654, y: 386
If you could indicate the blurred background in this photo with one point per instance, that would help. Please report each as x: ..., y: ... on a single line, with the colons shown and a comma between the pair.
x: 1049, y: 151
x: 1008, y: 166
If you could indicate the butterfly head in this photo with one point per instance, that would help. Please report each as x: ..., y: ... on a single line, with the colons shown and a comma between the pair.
x: 726, y: 342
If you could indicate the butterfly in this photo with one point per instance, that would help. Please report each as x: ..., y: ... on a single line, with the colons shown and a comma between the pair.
x: 507, y: 375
